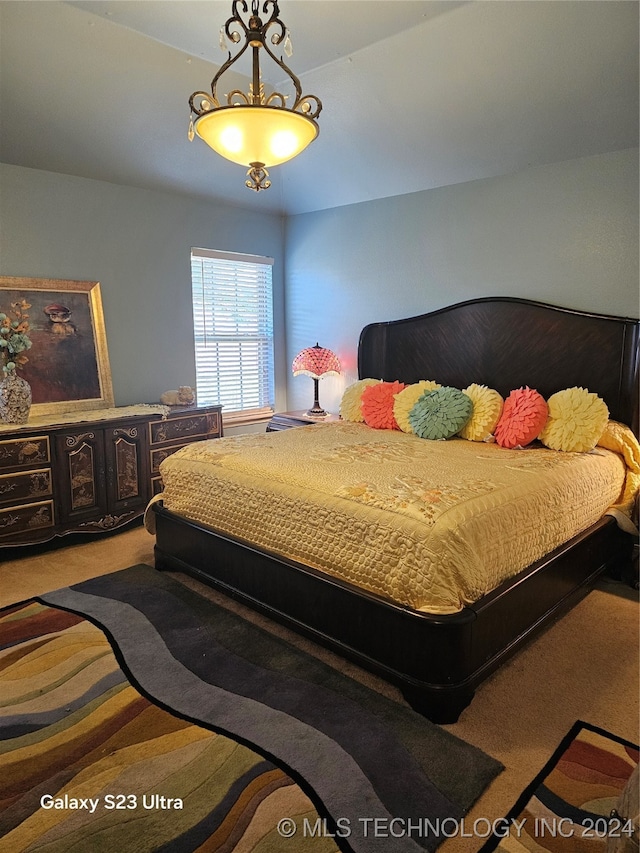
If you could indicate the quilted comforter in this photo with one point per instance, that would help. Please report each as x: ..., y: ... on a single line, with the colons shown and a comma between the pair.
x: 432, y: 525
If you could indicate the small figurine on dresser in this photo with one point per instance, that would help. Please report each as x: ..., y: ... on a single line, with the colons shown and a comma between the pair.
x: 184, y: 396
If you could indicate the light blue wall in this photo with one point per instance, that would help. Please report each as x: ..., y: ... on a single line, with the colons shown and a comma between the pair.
x: 137, y: 244
x: 566, y: 234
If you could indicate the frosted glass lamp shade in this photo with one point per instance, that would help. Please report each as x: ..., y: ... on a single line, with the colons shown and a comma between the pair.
x: 256, y: 134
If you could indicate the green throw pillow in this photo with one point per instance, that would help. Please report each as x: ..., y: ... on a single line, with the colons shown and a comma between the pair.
x: 440, y: 413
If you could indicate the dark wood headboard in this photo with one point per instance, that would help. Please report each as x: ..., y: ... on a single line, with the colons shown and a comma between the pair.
x: 505, y: 343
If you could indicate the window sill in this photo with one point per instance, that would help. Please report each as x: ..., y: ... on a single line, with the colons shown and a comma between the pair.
x: 246, y: 419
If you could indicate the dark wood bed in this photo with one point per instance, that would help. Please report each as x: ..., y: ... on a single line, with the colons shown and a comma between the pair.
x: 438, y: 661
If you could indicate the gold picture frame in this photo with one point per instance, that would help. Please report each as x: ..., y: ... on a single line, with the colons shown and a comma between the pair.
x: 68, y: 367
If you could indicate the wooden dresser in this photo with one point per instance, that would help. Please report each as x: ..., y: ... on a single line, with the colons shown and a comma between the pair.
x: 89, y: 475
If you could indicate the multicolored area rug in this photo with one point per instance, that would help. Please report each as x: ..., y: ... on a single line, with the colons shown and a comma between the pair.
x: 136, y: 715
x: 567, y: 808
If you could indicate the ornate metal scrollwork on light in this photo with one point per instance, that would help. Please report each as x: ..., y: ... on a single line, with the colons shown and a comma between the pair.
x: 257, y: 178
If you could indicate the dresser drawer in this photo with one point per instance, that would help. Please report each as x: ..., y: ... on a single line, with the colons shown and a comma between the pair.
x: 15, y: 452
x: 160, y: 454
x: 214, y: 425
x: 183, y: 427
x: 26, y: 518
x: 25, y: 485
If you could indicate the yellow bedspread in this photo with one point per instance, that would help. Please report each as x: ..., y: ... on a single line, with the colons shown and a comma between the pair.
x: 432, y: 525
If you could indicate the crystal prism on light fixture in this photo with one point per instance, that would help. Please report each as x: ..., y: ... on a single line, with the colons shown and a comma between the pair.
x: 254, y: 129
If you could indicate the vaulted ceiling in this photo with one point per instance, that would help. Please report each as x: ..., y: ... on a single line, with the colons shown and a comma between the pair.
x: 416, y: 94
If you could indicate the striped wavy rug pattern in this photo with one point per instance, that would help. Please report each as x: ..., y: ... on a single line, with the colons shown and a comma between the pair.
x: 135, y: 715
x: 568, y: 806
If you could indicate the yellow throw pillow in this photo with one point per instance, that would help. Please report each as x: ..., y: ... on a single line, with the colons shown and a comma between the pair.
x: 487, y: 408
x: 350, y: 404
x: 406, y: 400
x: 577, y: 419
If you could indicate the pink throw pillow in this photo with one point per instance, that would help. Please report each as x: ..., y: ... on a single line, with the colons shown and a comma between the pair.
x: 377, y: 404
x: 523, y: 418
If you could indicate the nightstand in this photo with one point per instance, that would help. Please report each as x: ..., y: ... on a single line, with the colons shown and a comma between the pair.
x: 287, y: 420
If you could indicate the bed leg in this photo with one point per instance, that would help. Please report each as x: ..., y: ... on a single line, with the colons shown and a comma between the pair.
x: 442, y: 709
x: 624, y: 566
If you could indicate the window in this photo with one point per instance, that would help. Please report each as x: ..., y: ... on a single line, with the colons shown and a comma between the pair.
x: 233, y: 332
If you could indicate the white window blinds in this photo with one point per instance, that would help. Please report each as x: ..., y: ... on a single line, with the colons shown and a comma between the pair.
x: 233, y: 331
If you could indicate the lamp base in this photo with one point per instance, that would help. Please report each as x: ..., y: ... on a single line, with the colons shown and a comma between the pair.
x: 316, y: 411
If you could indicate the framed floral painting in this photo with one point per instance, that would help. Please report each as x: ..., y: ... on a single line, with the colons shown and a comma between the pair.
x: 64, y: 354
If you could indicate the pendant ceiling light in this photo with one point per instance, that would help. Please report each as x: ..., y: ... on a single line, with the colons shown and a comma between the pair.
x: 254, y: 129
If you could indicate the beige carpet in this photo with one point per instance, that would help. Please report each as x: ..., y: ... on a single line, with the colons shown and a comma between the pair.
x: 584, y: 667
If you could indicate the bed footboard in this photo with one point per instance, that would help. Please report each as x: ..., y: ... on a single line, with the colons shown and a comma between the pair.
x: 436, y: 661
